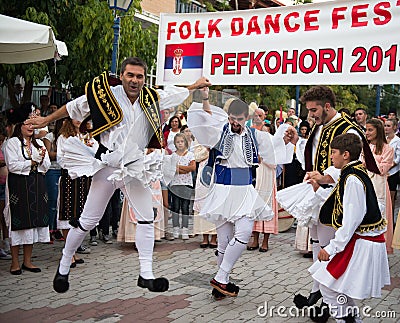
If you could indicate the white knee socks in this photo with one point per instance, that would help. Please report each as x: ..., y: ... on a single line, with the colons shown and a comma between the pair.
x: 74, y: 240
x: 145, y: 246
x: 243, y: 230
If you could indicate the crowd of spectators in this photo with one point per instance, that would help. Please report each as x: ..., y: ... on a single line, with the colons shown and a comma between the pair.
x: 35, y: 158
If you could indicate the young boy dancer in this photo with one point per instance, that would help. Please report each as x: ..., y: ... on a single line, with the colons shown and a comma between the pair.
x: 354, y: 264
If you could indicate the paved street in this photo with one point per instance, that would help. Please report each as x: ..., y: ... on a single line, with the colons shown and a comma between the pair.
x: 103, y: 289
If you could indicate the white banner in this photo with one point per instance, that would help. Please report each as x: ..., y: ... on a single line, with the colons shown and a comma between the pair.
x: 335, y: 42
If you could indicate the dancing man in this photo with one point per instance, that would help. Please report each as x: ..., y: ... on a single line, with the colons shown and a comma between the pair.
x: 131, y: 110
x: 232, y: 203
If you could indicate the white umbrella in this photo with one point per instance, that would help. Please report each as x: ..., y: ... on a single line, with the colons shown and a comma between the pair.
x: 23, y: 41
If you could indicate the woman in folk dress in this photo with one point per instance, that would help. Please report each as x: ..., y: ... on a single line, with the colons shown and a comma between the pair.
x: 26, y: 197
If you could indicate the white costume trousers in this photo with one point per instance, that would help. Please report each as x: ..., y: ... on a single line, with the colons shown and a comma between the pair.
x: 231, y: 244
x: 323, y: 234
x: 340, y: 305
x: 101, y: 190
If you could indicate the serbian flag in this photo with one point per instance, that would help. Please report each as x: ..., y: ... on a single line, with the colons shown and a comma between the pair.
x: 183, y: 62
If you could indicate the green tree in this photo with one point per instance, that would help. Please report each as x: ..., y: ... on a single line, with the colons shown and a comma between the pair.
x: 86, y: 28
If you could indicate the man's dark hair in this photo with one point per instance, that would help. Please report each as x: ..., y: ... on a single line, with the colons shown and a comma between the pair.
x: 361, y: 109
x: 348, y: 142
x: 320, y: 94
x: 134, y: 61
x: 345, y: 110
x: 238, y: 107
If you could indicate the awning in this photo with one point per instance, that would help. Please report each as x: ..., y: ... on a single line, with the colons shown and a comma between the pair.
x: 23, y: 41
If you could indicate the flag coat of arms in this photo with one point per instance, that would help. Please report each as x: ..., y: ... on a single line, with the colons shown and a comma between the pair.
x: 183, y: 62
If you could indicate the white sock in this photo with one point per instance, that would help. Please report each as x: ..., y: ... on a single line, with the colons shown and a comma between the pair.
x: 145, y: 246
x: 232, y: 254
x: 235, y: 248
x: 74, y: 240
x: 220, y: 257
x: 222, y: 276
x: 225, y: 234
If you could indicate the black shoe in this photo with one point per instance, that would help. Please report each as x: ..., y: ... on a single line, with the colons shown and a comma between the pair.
x: 320, y: 314
x: 16, y: 272
x: 58, y: 235
x: 253, y: 248
x: 60, y: 282
x: 33, y: 270
x: 229, y: 289
x: 308, y: 255
x: 217, y: 295
x: 157, y: 285
x: 314, y: 298
x: 301, y: 301
x: 348, y: 319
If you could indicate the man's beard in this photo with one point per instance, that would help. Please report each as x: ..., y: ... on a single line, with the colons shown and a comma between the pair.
x: 238, y: 130
x: 323, y: 117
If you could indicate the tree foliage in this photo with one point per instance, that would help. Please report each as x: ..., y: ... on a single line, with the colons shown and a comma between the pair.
x: 86, y: 28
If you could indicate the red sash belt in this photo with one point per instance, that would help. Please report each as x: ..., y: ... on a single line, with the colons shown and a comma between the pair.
x: 338, y: 265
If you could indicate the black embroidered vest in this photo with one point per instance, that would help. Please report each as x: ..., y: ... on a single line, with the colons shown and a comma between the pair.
x: 331, y: 213
x: 105, y: 111
x: 323, y: 155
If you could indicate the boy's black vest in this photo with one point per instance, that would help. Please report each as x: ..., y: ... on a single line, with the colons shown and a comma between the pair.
x: 331, y: 212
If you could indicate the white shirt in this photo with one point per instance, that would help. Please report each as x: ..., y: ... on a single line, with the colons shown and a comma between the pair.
x: 135, y: 124
x: 17, y: 163
x: 170, y: 140
x: 207, y: 130
x: 50, y: 138
x: 183, y: 179
x: 354, y: 210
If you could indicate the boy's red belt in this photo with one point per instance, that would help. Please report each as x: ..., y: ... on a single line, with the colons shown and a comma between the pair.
x: 338, y: 265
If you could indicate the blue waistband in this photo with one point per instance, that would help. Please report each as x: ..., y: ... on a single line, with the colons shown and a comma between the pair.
x: 233, y: 176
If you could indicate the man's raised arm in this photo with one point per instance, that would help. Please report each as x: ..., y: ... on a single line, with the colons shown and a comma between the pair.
x: 200, y: 83
x: 40, y: 122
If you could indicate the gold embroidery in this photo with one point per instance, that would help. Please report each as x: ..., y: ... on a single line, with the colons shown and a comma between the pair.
x: 99, y: 91
x: 338, y: 207
x: 149, y: 104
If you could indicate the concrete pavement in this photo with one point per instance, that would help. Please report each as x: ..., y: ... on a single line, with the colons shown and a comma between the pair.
x: 103, y: 289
